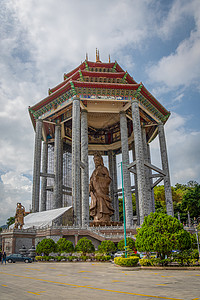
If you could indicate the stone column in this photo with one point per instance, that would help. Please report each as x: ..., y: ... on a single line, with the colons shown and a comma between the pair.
x: 85, y: 170
x: 126, y: 173
x: 115, y: 188
x: 58, y: 182
x: 151, y: 180
x: 44, y: 179
x: 165, y: 167
x: 136, y: 189
x: 147, y: 171
x: 110, y: 163
x: 36, y: 166
x: 76, y: 197
x: 143, y: 205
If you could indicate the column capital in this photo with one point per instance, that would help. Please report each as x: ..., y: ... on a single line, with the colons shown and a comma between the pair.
x: 135, y: 100
x: 76, y: 98
x: 39, y: 120
x: 122, y: 112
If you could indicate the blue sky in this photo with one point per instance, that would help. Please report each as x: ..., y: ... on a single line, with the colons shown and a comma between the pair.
x: 157, y: 42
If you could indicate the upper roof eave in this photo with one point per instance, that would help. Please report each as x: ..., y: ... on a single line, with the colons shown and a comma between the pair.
x: 106, y: 85
x: 52, y: 96
x: 154, y: 101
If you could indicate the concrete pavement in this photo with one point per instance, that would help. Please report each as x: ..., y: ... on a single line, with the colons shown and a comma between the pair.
x: 90, y: 280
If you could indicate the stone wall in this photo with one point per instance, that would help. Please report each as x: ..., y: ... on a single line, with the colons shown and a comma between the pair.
x: 19, y: 242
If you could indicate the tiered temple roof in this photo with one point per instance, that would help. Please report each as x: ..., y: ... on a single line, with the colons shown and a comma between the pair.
x: 111, y: 89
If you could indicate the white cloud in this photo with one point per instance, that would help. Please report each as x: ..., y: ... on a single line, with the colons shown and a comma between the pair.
x: 183, y: 150
x: 40, y: 41
x: 13, y: 188
x: 61, y: 32
x: 182, y: 67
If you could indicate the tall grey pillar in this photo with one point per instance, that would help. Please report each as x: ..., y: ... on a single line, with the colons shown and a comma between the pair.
x: 110, y: 163
x: 44, y: 179
x: 115, y: 187
x: 36, y: 166
x: 143, y: 205
x: 58, y: 180
x: 126, y: 173
x: 76, y: 196
x: 136, y: 189
x: 85, y: 169
x: 147, y: 171
x: 151, y: 180
x: 165, y: 167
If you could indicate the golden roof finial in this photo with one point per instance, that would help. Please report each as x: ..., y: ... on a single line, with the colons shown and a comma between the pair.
x: 109, y: 58
x: 86, y: 56
x: 97, y: 56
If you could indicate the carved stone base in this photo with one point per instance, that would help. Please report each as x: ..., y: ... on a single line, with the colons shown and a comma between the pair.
x: 102, y: 223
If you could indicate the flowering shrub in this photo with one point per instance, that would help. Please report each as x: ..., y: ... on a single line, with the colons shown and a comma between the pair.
x: 130, y: 261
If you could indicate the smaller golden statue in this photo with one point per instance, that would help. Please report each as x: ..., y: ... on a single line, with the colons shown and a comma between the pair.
x: 19, y: 216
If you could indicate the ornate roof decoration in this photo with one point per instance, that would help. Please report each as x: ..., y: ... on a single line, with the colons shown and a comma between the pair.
x: 100, y: 81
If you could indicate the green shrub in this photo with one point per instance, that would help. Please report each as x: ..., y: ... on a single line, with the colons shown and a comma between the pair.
x: 186, y: 257
x: 46, y: 246
x: 131, y: 261
x: 195, y: 254
x: 85, y: 245
x: 59, y: 258
x: 64, y: 245
x: 106, y: 257
x: 38, y: 258
x: 129, y: 242
x: 145, y: 262
x: 83, y: 257
x: 106, y: 247
x: 154, y: 262
x: 162, y: 233
x: 71, y: 258
x: 102, y: 257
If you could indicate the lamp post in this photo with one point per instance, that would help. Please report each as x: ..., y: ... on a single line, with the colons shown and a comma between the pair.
x: 124, y: 214
x: 196, y: 231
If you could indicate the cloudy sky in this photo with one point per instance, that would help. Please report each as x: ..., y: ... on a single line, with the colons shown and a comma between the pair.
x: 157, y: 42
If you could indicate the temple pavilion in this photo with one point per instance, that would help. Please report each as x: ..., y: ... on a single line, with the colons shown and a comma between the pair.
x: 98, y: 107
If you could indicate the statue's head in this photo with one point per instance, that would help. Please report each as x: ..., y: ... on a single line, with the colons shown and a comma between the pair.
x: 19, y: 204
x: 98, y: 160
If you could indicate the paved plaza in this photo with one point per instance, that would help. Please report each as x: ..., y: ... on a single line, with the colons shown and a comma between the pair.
x: 95, y: 281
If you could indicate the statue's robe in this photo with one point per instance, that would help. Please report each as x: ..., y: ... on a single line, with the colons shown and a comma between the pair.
x: 100, y: 207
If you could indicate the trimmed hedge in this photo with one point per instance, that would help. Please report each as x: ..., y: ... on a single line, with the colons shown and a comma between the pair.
x: 168, y: 261
x: 130, y: 261
x: 99, y: 257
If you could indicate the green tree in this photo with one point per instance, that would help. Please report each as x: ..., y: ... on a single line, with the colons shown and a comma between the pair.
x: 121, y: 207
x: 10, y: 221
x: 85, y: 245
x: 64, y: 245
x: 191, y: 202
x: 106, y: 247
x: 46, y: 246
x: 129, y: 242
x: 194, y: 241
x: 162, y: 233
